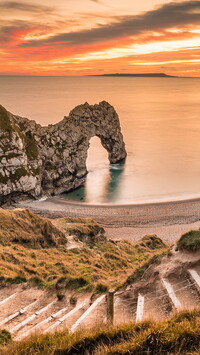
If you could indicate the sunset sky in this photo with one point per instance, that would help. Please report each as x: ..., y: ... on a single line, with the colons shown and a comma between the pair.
x: 79, y: 37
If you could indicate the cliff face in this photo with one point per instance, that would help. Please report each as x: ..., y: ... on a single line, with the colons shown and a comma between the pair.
x: 36, y: 160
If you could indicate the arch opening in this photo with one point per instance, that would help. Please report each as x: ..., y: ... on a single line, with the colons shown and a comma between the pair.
x: 98, y: 176
x: 103, y: 178
x: 97, y: 155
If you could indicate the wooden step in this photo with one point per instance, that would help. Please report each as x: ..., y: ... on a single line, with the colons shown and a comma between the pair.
x: 171, y: 293
x: 43, y: 322
x: 195, y: 276
x: 66, y: 316
x: 16, y: 314
x: 140, y: 308
x: 87, y: 312
x: 30, y: 318
x: 8, y: 298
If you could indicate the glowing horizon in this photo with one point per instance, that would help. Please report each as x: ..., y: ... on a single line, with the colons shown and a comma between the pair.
x: 83, y: 37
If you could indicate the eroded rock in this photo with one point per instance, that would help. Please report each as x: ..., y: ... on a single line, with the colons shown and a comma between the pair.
x: 36, y: 160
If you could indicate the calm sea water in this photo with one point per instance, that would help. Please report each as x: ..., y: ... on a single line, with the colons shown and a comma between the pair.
x: 160, y: 121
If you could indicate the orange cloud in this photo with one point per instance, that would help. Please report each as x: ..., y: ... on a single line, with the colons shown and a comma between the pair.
x: 162, y: 39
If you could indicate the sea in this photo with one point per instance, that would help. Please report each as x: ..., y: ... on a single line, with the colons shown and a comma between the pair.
x: 160, y: 122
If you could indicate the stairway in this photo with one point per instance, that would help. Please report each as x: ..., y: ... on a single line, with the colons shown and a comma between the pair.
x: 159, y: 300
x: 25, y: 311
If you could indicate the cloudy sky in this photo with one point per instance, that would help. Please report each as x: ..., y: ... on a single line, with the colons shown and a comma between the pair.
x: 79, y: 37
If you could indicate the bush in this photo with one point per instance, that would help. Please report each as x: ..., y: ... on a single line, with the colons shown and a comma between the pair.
x: 36, y: 281
x: 190, y: 241
x: 18, y: 280
x: 60, y: 296
x: 73, y: 300
x: 76, y: 282
x: 152, y: 242
x: 5, y: 337
x: 100, y: 288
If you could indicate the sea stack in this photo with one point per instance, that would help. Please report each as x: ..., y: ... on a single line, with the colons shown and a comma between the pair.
x: 36, y: 160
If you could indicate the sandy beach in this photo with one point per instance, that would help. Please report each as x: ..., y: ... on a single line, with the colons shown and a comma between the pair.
x: 168, y: 220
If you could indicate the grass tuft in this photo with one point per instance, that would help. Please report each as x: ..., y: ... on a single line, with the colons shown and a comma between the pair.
x: 5, y: 337
x: 25, y: 228
x: 152, y: 242
x: 190, y: 241
x: 153, y: 338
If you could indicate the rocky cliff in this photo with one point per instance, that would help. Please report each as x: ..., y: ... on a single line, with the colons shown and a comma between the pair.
x: 36, y: 160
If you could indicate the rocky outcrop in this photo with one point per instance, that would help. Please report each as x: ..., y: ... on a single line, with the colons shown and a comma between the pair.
x: 36, y: 160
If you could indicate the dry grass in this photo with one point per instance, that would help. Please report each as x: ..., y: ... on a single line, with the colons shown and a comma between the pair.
x: 34, y: 250
x: 179, y: 335
x: 82, y: 229
x: 23, y: 227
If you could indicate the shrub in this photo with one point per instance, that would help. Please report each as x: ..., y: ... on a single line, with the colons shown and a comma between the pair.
x: 76, y: 282
x: 60, y: 296
x: 190, y: 241
x: 36, y: 281
x: 18, y: 280
x: 152, y: 242
x: 73, y: 300
x: 100, y: 288
x: 5, y: 337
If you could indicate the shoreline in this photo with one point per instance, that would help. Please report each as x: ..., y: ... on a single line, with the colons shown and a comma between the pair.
x: 122, y: 205
x: 169, y: 220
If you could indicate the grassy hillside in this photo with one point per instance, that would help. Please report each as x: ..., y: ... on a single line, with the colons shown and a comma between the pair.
x: 74, y: 253
x: 179, y: 335
x: 35, y: 249
x: 22, y: 227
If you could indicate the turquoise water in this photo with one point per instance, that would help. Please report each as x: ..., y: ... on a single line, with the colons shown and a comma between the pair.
x: 160, y: 122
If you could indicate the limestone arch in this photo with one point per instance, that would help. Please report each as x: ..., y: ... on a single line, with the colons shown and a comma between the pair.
x: 59, y: 162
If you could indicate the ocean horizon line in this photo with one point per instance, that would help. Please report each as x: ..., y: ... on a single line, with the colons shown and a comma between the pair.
x: 116, y: 75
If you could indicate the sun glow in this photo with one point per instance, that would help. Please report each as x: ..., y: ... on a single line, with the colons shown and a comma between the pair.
x: 166, y: 46
x: 139, y: 49
x: 168, y: 62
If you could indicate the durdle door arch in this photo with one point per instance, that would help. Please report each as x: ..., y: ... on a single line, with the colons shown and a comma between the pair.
x: 36, y: 160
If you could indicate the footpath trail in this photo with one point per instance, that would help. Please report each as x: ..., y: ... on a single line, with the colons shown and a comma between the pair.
x: 168, y: 220
x: 161, y: 291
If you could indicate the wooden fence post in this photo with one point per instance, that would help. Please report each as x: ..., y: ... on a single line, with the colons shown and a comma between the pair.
x: 110, y: 306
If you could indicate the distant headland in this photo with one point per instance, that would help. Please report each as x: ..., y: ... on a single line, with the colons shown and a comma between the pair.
x: 144, y: 75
